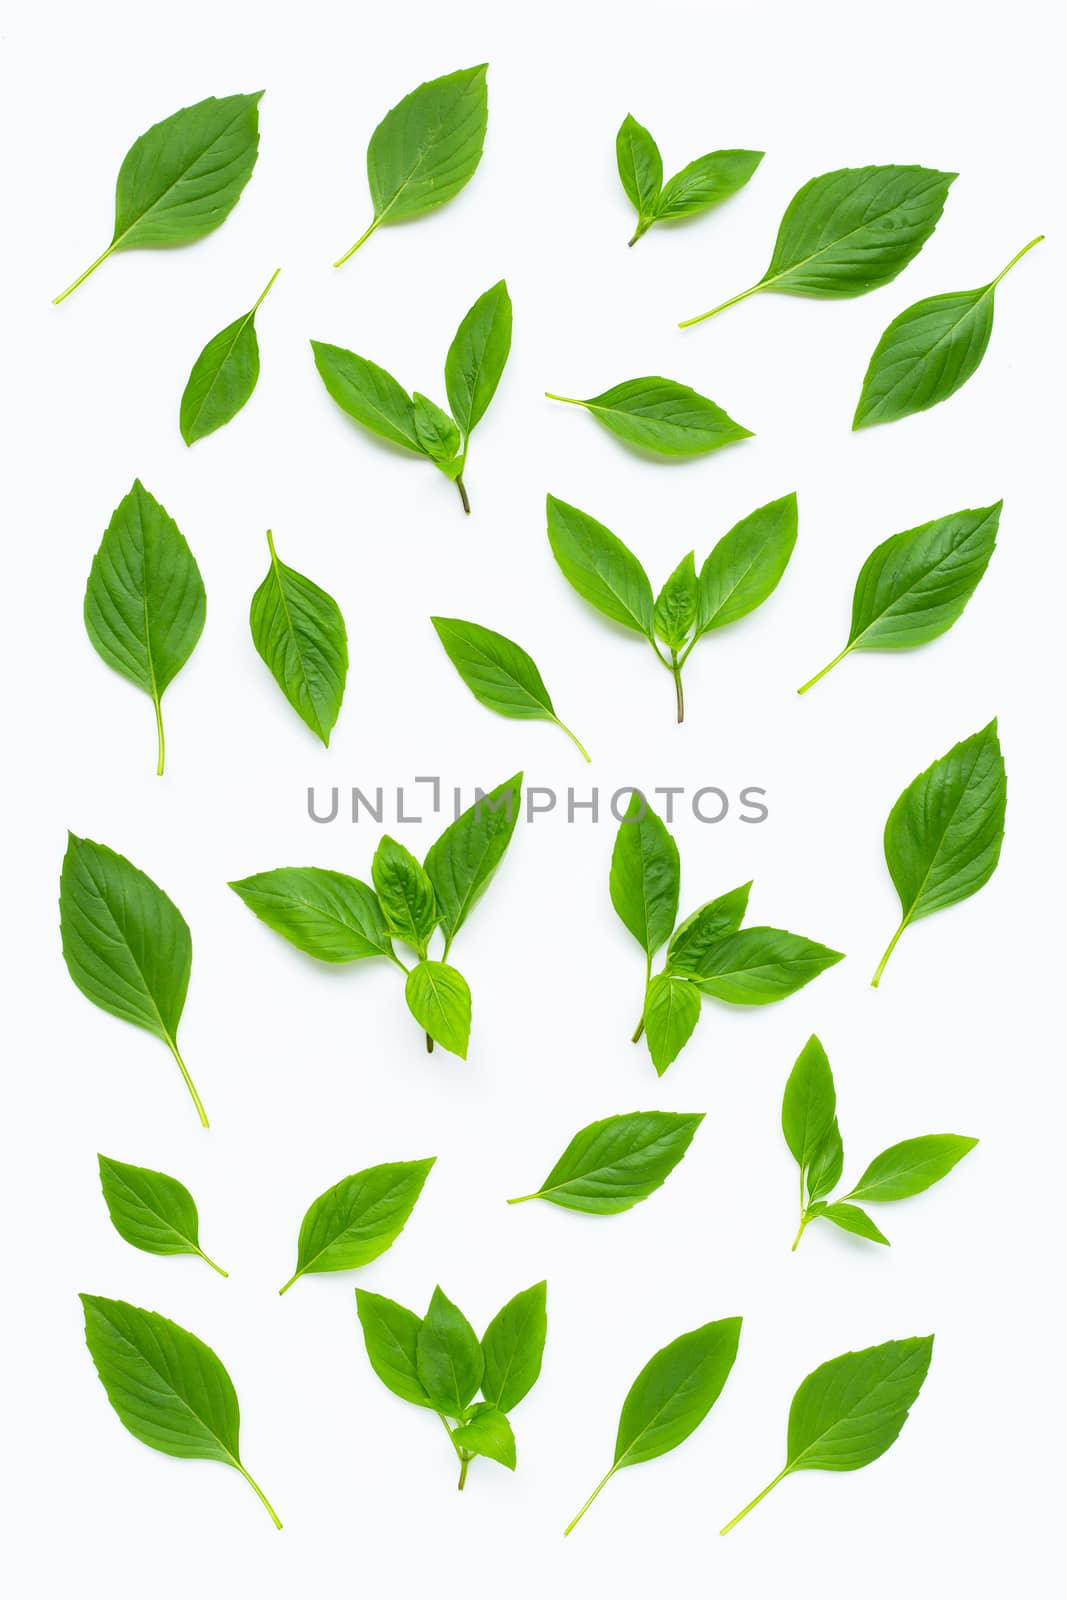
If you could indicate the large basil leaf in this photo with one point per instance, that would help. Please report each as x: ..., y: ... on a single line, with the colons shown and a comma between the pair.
x: 477, y: 356
x: 299, y: 631
x: 645, y: 876
x: 368, y: 394
x: 693, y: 937
x: 851, y: 1219
x: 613, y: 1164
x: 440, y: 1001
x: 405, y: 894
x: 756, y: 966
x: 152, y: 1211
x: 600, y: 567
x: 706, y: 181
x: 223, y: 377
x: 747, y: 564
x: 911, y: 1166
x: 326, y: 914
x: 513, y: 1346
x: 498, y: 672
x: 809, y: 1104
x: 463, y: 859
x: 448, y: 1357
x: 670, y: 419
x: 359, y: 1218
x: 391, y: 1335
x: 672, y: 1011
x: 640, y: 171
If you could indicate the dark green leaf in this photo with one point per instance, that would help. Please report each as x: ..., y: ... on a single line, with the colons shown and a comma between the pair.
x: 676, y: 604
x: 477, y: 356
x: 223, y: 377
x: 657, y: 414
x: 405, y: 893
x: 487, y: 1432
x: 706, y: 181
x: 440, y: 1001
x: 328, y: 915
x: 463, y: 859
x: 645, y: 875
x: 513, y: 1347
x: 299, y: 631
x: 911, y: 1166
x: 852, y: 1220
x: 600, y: 567
x: 672, y: 1011
x: 151, y: 1210
x: 498, y: 672
x: 613, y: 1164
x: 756, y: 966
x: 747, y: 564
x: 391, y: 1335
x: 640, y: 171
x: 827, y: 1160
x: 809, y: 1103
x: 359, y: 1218
x: 369, y: 394
x: 448, y: 1357
x: 711, y: 922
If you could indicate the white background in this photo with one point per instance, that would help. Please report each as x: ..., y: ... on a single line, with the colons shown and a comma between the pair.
x: 311, y: 1073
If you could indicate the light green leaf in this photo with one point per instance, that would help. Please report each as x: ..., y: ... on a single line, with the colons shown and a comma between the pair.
x: 747, y: 564
x: 487, y: 1432
x: 513, y: 1347
x: 440, y: 1001
x: 152, y: 1211
x: 448, y: 1357
x: 911, y: 1166
x: 359, y: 1219
x: 405, y: 894
x: 498, y: 672
x: 676, y: 604
x: 670, y: 419
x: 756, y: 966
x: 706, y: 181
x: 223, y: 377
x: 298, y: 630
x: 462, y: 860
x: 853, y: 1220
x: 368, y: 394
x: 645, y: 875
x: 809, y: 1103
x: 672, y: 1011
x: 327, y: 915
x: 600, y: 567
x: 613, y: 1164
x: 391, y: 1335
x: 477, y: 357
x: 640, y: 171
x: 713, y: 921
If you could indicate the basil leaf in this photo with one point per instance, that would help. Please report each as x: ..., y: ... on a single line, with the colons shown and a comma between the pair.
x: 369, y: 394
x: 440, y: 1001
x: 144, y: 602
x: 165, y: 1385
x: 613, y: 1164
x: 152, y: 1211
x: 513, y: 1347
x: 600, y: 567
x: 463, y: 859
x: 640, y: 172
x: 437, y: 434
x: 223, y: 377
x: 498, y: 673
x: 757, y: 966
x: 671, y: 1396
x: 391, y: 1335
x: 849, y: 1411
x: 299, y: 632
x: 487, y: 1432
x: 448, y: 1357
x: 914, y: 586
x: 929, y: 352
x: 676, y: 604
x: 943, y: 836
x: 852, y: 1220
x: 405, y: 894
x: 711, y: 922
x: 706, y: 181
x: 126, y: 944
x: 850, y: 231
x: 657, y: 414
x: 645, y: 876
x: 327, y: 915
x: 359, y: 1218
x: 426, y: 148
x: 181, y: 179
x: 827, y: 1161
x: 672, y: 1011
x: 747, y: 564
x: 911, y: 1166
x: 808, y: 1104
x: 477, y: 357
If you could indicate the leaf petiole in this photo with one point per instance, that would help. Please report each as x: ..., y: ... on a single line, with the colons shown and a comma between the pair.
x: 691, y: 322
x: 1009, y: 266
x: 575, y: 1520
x: 461, y: 486
x: 890, y: 947
x: 88, y: 271
x: 161, y: 743
x: 213, y: 1264
x: 361, y: 240
x: 828, y: 667
x: 189, y: 1084
x: 247, y: 1476
x: 573, y: 737
x: 265, y: 293
x: 752, y: 1503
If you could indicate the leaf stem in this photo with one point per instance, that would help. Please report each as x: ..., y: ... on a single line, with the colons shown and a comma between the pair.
x: 98, y: 262
x: 1010, y: 264
x: 691, y: 322
x: 575, y: 1520
x: 462, y: 487
x: 361, y: 240
x: 290, y: 1282
x: 247, y: 1476
x: 679, y: 697
x: 520, y: 1198
x: 429, y: 1045
x: 189, y: 1084
x: 573, y: 737
x: 464, y: 1462
x: 221, y: 1272
x: 762, y: 1495
x: 161, y: 743
x: 643, y: 225
x: 828, y: 667
x: 564, y: 399
x: 265, y: 293
x: 890, y: 947
x: 804, y: 1220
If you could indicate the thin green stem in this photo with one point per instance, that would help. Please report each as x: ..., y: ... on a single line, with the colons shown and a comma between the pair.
x: 575, y: 1520
x: 564, y: 399
x: 573, y: 737
x: 189, y: 1084
x: 679, y: 697
x: 521, y: 1198
x: 639, y: 1030
x: 464, y: 1462
x: 804, y: 1220
x: 291, y: 1281
x: 828, y: 667
x: 247, y: 1476
x: 161, y: 743
x: 462, y: 487
x: 429, y: 1045
x: 265, y: 293
x: 98, y: 262
x: 691, y: 322
x: 643, y: 225
x: 1010, y: 264
x: 361, y: 240
x: 214, y: 1264
x: 762, y: 1495
x: 448, y: 1430
x: 890, y: 947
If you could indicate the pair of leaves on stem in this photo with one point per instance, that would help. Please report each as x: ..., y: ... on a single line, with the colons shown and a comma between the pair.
x: 499, y: 673
x: 661, y: 416
x: 943, y: 837
x: 336, y: 918
x: 740, y: 573
x: 810, y: 1126
x: 183, y: 177
x: 709, y: 953
x: 167, y: 1387
x: 929, y: 352
x: 700, y: 185
x: 474, y: 366
x: 850, y: 231
x: 223, y: 377
x: 439, y: 1362
x: 914, y: 586
x: 426, y: 149
x: 617, y: 1162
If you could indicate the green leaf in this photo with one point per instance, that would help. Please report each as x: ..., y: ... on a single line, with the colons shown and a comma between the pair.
x: 827, y: 1160
x: 911, y: 1166
x: 645, y: 875
x: 426, y: 148
x: 943, y: 836
x: 440, y: 1001
x: 152, y: 1211
x: 359, y: 1218
x: 613, y: 1164
x: 183, y: 177
x: 405, y: 894
x: 756, y: 966
x: 747, y: 564
x: 670, y: 419
x: 165, y: 1385
x: 487, y: 1432
x: 600, y: 567
x: 498, y: 672
x: 368, y: 394
x: 327, y: 915
x: 671, y: 1396
x: 126, y: 944
x: 706, y: 181
x: 850, y: 231
x: 713, y: 921
x: 852, y: 1220
x: 437, y: 434
x: 640, y: 171
x: 223, y: 377
x: 672, y: 1011
x: 448, y: 1357
x: 808, y: 1104
x: 676, y: 604
x: 513, y: 1347
x: 477, y: 357
x: 299, y: 631
x: 462, y: 860
x: 144, y: 602
x: 391, y: 1335
x: 929, y: 352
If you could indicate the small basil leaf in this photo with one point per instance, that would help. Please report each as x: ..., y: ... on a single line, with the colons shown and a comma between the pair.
x: 298, y: 630
x: 600, y: 567
x: 144, y: 602
x: 943, y: 836
x: 223, y: 377
x: 359, y: 1218
x: 747, y: 564
x: 369, y: 394
x: 826, y: 1163
x: 463, y: 859
x: 670, y: 419
x: 327, y: 915
x: 498, y: 672
x: 513, y: 1347
x: 613, y: 1164
x: 391, y: 1335
x: 929, y: 352
x: 706, y: 181
x: 756, y: 966
x: 405, y: 893
x: 640, y: 171
x: 645, y: 875
x: 911, y: 1166
x: 672, y: 1011
x: 808, y: 1104
x: 487, y: 1432
x: 448, y: 1357
x: 477, y: 357
x: 713, y: 921
x: 152, y: 1211
x: 437, y: 434
x: 676, y: 604
x: 852, y: 1220
x: 440, y: 1001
